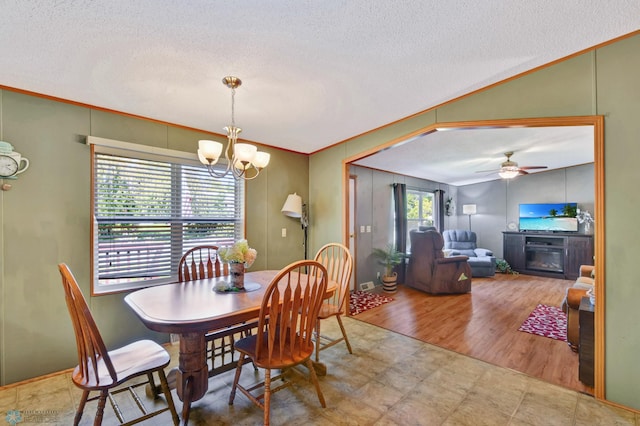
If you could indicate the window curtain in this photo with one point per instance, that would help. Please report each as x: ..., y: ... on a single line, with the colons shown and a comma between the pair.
x: 400, y: 213
x: 438, y: 210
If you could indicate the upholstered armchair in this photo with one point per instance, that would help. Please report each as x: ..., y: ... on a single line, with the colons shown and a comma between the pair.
x: 461, y: 242
x: 571, y: 303
x: 430, y: 271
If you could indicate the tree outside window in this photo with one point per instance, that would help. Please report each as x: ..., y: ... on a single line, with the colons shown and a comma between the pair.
x: 419, y: 210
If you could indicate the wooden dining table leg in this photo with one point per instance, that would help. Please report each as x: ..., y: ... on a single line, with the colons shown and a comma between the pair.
x: 193, y: 371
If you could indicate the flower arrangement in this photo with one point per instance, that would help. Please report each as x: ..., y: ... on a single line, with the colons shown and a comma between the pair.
x: 240, y: 252
x: 585, y: 217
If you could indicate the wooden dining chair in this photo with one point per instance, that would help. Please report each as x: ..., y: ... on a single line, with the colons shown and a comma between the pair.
x: 101, y: 370
x: 201, y: 262
x: 339, y: 263
x: 286, y: 322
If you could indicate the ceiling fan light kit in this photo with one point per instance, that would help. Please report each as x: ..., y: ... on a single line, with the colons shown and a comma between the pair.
x: 510, y: 169
x: 508, y: 172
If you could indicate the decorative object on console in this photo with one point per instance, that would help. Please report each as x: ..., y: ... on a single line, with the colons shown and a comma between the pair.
x: 243, y: 156
x: 469, y: 209
x: 294, y: 207
x: 585, y: 217
x: 390, y: 258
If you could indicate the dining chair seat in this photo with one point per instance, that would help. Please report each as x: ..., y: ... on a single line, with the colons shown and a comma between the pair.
x: 339, y: 264
x: 132, y: 360
x: 287, y: 318
x: 328, y: 310
x: 284, y: 354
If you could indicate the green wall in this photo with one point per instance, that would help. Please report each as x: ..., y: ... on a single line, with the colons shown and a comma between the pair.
x: 45, y: 219
x: 600, y: 82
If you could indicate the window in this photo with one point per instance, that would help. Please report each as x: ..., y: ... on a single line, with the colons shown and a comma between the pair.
x: 148, y: 209
x: 419, y: 210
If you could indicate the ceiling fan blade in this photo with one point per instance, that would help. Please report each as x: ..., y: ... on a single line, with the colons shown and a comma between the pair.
x: 522, y: 172
x: 532, y: 167
x: 488, y: 171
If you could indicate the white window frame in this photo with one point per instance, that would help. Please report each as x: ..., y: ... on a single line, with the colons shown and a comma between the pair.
x: 422, y: 220
x: 146, y: 264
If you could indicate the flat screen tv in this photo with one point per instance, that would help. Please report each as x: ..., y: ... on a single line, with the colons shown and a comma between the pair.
x: 548, y: 217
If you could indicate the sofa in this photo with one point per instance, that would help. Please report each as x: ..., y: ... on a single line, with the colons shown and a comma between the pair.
x: 430, y: 271
x: 461, y: 242
x: 571, y: 303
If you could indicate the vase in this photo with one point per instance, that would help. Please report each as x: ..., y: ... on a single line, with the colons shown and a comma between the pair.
x: 236, y: 271
x: 389, y: 283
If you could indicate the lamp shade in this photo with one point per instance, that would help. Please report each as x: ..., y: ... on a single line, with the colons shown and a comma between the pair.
x: 468, y: 209
x: 292, y: 206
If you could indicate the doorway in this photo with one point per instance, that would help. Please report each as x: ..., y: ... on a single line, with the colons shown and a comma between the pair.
x: 596, y: 125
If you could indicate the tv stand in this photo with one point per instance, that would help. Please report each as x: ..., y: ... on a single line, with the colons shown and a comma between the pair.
x: 548, y: 254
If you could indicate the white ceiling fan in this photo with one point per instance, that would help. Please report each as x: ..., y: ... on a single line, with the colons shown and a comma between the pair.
x: 510, y: 169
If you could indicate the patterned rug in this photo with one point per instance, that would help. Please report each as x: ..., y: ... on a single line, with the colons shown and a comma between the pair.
x: 360, y: 301
x: 546, y: 321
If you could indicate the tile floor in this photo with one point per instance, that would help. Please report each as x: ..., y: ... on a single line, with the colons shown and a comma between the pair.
x: 389, y: 380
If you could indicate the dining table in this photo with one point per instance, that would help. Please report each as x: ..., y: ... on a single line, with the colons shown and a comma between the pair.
x: 192, y: 309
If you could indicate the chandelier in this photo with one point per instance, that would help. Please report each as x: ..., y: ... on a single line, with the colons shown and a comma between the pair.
x: 246, y: 161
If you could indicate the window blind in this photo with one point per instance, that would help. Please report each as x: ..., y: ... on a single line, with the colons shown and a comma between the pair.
x: 148, y: 212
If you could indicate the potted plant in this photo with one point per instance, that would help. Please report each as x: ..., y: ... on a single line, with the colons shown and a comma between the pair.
x: 390, y: 258
x: 503, y: 266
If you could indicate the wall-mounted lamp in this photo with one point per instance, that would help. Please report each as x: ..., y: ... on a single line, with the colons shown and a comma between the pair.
x: 469, y: 209
x: 294, y: 207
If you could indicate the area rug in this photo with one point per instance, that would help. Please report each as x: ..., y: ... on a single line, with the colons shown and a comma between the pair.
x: 546, y: 321
x: 360, y: 301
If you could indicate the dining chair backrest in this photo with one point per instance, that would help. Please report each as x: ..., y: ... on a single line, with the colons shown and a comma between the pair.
x: 290, y: 309
x: 91, y: 348
x: 201, y: 262
x: 338, y: 261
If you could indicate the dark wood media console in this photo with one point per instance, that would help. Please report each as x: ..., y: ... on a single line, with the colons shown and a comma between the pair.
x: 548, y: 254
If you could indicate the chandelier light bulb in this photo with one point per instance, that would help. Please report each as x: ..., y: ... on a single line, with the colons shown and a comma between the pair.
x: 261, y: 160
x: 244, y: 152
x: 209, y: 151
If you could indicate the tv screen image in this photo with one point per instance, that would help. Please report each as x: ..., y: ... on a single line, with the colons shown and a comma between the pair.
x: 549, y: 217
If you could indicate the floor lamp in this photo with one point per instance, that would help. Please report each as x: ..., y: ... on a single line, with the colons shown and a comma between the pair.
x: 294, y: 207
x: 469, y: 209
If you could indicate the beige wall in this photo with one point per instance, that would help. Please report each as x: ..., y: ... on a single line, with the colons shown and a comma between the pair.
x: 45, y: 219
x: 601, y: 82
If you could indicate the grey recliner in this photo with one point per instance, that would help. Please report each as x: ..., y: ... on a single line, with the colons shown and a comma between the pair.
x: 482, y: 261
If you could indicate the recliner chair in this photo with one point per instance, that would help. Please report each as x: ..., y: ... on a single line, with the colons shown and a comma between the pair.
x: 430, y: 271
x: 461, y: 242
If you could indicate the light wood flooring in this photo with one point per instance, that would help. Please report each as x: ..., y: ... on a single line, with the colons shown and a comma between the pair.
x: 484, y: 324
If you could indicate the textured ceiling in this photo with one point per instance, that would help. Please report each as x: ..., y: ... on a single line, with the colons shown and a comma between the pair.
x: 315, y: 72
